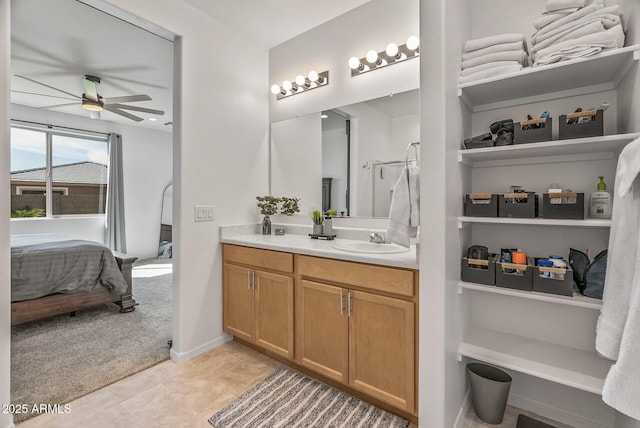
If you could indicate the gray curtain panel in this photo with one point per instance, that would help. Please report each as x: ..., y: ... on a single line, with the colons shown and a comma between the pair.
x: 115, y: 237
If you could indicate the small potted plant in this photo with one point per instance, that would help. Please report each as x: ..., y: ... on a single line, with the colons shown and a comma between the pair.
x: 318, y: 220
x: 289, y: 206
x: 268, y: 206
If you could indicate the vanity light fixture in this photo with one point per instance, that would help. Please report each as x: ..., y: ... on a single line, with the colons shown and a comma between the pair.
x: 391, y: 55
x: 300, y: 84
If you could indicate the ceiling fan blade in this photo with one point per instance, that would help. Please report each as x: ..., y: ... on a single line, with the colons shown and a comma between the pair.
x: 126, y: 99
x: 135, y: 108
x: 42, y: 95
x: 90, y: 89
x: 48, y: 86
x: 123, y: 113
x: 59, y: 105
x: 94, y: 114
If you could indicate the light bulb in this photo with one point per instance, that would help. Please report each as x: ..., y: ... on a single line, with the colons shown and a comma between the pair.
x: 392, y: 50
x: 286, y: 85
x: 300, y: 80
x: 313, y: 76
x: 372, y: 56
x: 354, y: 63
x: 412, y: 43
x: 275, y: 89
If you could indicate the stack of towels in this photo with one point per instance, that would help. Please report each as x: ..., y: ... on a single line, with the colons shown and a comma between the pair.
x: 571, y: 29
x: 493, y: 56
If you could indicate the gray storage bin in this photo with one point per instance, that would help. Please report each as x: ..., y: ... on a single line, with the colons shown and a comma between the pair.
x: 481, y: 205
x: 593, y: 128
x: 513, y: 280
x: 472, y: 270
x: 563, y: 287
x: 525, y: 205
x: 489, y: 391
x: 571, y: 206
x: 535, y: 135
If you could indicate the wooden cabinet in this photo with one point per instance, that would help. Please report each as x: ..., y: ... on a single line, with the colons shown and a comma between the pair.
x: 258, y: 305
x: 364, y: 339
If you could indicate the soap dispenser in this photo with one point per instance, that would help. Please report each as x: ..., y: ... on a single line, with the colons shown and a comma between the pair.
x: 600, y: 203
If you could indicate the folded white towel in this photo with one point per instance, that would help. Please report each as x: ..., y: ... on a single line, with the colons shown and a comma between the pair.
x: 553, y: 5
x: 581, y: 13
x: 502, y: 47
x: 618, y: 329
x: 572, y: 53
x: 475, y: 44
x: 548, y: 18
x: 571, y: 33
x: 519, y: 56
x: 404, y: 214
x: 610, y: 39
x: 608, y: 16
x: 498, y: 70
x: 477, y: 68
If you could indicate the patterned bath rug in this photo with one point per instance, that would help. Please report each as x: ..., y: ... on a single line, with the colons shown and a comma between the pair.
x: 289, y: 399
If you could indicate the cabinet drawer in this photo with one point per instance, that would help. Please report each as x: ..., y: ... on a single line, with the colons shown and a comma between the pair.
x: 396, y: 281
x: 256, y: 257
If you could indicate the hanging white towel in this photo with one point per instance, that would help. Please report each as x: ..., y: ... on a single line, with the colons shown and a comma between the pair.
x: 618, y: 329
x: 404, y: 214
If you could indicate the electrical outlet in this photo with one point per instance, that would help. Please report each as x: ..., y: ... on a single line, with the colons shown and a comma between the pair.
x: 203, y: 213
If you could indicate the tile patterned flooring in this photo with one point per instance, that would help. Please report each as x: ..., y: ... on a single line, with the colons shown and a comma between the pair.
x: 171, y: 395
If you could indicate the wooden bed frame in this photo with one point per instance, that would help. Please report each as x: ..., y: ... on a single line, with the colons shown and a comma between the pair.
x: 58, y: 304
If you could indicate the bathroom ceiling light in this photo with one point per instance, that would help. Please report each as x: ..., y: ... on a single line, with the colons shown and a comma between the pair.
x: 391, y: 55
x: 300, y: 84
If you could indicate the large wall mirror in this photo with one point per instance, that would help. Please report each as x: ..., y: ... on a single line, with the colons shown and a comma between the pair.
x: 346, y: 158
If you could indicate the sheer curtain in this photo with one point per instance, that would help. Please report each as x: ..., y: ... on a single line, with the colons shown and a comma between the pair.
x: 115, y: 237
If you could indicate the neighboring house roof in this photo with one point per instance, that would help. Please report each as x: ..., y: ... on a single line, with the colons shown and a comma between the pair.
x: 79, y: 172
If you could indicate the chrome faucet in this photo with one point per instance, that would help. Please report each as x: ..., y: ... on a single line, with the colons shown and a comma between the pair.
x: 376, y: 238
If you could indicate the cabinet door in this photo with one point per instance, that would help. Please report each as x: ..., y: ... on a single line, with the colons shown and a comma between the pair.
x: 238, y: 307
x: 382, y: 348
x: 324, y: 346
x: 274, y: 313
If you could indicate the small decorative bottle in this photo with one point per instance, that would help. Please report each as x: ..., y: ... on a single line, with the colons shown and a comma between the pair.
x: 266, y: 225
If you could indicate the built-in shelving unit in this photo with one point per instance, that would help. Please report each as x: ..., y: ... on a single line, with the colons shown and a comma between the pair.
x: 514, y: 154
x: 590, y: 222
x: 576, y: 300
x: 601, y: 72
x: 557, y: 363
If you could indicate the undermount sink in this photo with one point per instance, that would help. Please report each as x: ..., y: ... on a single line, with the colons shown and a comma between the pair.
x: 369, y: 247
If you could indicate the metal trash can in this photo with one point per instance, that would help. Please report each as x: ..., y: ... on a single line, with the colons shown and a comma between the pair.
x: 489, y: 391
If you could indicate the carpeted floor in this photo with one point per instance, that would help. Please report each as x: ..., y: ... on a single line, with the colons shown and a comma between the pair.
x: 287, y: 398
x: 56, y: 360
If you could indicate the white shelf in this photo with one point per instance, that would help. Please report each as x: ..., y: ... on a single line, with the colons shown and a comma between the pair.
x: 561, y: 364
x: 523, y: 153
x: 599, y: 72
x: 577, y: 300
x: 591, y: 222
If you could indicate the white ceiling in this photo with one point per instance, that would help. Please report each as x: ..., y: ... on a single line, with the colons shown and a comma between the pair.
x: 57, y: 42
x: 275, y: 21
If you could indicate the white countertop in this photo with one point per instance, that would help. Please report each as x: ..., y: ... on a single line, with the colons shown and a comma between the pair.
x: 302, y: 244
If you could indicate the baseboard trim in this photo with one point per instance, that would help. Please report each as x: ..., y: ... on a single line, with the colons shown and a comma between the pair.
x: 553, y: 413
x: 179, y: 357
x: 462, y: 413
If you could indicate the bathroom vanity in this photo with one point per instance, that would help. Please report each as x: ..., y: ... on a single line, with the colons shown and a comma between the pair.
x: 349, y: 319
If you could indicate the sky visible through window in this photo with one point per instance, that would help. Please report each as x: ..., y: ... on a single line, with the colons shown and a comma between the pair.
x: 28, y: 150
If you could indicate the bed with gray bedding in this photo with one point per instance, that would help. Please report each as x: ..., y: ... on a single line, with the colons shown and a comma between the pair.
x: 66, y: 274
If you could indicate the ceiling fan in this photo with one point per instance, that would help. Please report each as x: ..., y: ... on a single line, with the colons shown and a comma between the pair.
x: 94, y: 103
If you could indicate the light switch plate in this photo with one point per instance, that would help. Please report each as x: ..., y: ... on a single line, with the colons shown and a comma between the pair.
x: 203, y: 213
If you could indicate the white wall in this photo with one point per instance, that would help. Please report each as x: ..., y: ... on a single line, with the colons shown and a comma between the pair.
x: 220, y: 156
x: 330, y: 45
x: 147, y: 160
x: 5, y: 265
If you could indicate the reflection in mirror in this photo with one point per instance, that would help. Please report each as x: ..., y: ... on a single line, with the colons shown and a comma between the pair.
x: 166, y: 223
x: 363, y: 163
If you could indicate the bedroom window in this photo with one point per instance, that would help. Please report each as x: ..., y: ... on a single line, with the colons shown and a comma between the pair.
x: 57, y: 173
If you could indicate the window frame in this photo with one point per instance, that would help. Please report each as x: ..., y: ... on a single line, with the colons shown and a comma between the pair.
x: 50, y: 131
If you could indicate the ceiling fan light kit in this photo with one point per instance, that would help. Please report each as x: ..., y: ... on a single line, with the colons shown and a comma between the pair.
x: 94, y: 103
